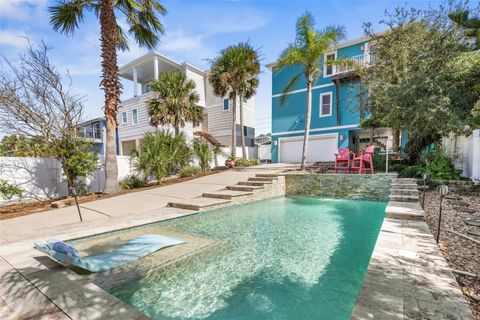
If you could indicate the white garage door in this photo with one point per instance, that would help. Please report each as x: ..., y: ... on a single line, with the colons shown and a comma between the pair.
x: 320, y: 148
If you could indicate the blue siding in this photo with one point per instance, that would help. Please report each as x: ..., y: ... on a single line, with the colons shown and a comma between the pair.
x: 291, y: 116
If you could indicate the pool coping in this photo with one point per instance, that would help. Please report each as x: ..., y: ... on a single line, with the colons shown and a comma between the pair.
x: 400, y: 253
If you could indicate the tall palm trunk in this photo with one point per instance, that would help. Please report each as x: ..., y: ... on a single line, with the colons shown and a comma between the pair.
x: 307, y: 124
x: 234, y: 127
x: 242, y: 133
x: 112, y: 91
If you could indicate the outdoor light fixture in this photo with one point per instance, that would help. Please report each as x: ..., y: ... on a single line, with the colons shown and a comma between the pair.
x: 342, y: 137
x: 424, y: 177
x: 442, y: 191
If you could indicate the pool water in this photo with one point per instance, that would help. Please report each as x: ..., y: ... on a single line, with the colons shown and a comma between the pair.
x: 286, y: 258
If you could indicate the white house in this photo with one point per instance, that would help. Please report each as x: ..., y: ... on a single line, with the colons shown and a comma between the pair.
x: 133, y: 118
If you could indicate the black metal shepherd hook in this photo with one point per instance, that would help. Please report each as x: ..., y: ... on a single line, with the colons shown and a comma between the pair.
x: 442, y: 191
x: 424, y: 177
x: 74, y: 192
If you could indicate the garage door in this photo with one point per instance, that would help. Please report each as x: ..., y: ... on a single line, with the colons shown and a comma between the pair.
x: 320, y: 148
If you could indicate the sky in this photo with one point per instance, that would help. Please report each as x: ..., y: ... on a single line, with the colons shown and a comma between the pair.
x: 196, y: 31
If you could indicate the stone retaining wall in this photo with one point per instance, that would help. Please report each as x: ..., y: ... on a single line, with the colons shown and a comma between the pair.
x: 353, y: 186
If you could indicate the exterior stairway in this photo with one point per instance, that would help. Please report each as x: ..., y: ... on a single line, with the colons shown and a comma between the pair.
x: 404, y: 190
x: 234, y: 193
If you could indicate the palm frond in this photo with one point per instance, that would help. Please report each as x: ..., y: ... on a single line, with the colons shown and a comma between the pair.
x: 66, y: 16
x: 290, y: 85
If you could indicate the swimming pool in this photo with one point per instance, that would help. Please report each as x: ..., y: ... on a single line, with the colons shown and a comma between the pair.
x: 285, y: 258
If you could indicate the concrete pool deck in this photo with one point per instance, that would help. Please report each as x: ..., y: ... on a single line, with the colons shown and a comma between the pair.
x: 408, y: 278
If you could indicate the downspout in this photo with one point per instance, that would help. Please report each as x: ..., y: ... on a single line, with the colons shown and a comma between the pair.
x: 337, y: 98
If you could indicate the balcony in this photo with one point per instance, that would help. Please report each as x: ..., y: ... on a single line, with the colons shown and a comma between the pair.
x: 348, y: 66
x: 91, y: 133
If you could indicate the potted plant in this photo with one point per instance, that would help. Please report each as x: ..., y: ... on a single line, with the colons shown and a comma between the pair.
x: 229, y: 163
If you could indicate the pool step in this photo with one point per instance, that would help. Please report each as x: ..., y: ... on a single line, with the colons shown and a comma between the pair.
x: 244, y: 188
x: 254, y: 183
x: 226, y: 194
x: 403, y: 198
x: 262, y: 179
x: 197, y: 203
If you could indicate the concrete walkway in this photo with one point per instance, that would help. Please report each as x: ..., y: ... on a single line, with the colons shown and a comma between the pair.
x: 55, y: 221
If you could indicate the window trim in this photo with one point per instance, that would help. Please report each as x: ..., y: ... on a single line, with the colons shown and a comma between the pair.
x: 223, y: 105
x: 124, y: 120
x: 136, y: 116
x: 325, y: 75
x: 328, y: 93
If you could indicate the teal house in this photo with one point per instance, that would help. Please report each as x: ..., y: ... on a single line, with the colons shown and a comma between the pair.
x: 336, y: 115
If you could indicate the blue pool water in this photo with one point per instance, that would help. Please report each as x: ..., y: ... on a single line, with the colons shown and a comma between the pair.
x: 286, y: 258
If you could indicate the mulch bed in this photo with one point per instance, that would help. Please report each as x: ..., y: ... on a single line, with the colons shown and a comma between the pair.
x: 461, y: 254
x: 23, y: 209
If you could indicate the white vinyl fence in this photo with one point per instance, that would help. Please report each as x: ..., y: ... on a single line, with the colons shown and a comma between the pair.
x: 466, y: 153
x: 42, y: 178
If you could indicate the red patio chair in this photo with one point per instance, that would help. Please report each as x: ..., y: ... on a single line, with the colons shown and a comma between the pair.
x: 361, y: 158
x: 342, y: 160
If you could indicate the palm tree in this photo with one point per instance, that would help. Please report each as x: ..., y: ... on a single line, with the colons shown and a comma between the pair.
x: 307, y: 51
x: 235, y: 73
x: 142, y: 17
x: 176, y: 101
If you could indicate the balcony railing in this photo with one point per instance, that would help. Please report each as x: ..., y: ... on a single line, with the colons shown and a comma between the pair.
x: 90, y: 133
x: 352, y: 63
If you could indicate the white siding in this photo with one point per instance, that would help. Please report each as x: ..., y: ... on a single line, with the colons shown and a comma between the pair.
x: 129, y: 131
x: 199, y: 84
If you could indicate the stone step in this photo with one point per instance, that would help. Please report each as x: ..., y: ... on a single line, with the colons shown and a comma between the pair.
x: 403, y: 198
x: 266, y: 175
x: 197, y: 204
x: 404, y: 180
x: 261, y: 179
x: 412, y: 192
x: 254, y: 183
x: 226, y: 194
x: 403, y: 186
x: 244, y: 188
x: 404, y: 210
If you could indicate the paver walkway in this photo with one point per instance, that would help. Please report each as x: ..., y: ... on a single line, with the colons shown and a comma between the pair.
x: 55, y: 221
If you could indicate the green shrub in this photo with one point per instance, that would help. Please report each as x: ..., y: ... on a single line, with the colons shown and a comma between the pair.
x: 438, y: 165
x: 398, y: 167
x: 203, y: 153
x: 379, y: 162
x: 133, y: 182
x: 411, y: 172
x: 160, y: 154
x: 240, y: 162
x: 8, y: 191
x: 190, y: 171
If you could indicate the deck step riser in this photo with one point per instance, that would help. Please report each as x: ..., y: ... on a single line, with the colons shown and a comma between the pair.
x: 253, y: 183
x: 265, y: 180
x: 185, y: 206
x: 266, y: 175
x: 404, y: 186
x: 224, y: 196
x: 404, y: 192
x: 244, y: 188
x: 404, y: 198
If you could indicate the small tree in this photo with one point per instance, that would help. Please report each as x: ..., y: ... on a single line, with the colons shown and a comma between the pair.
x: 307, y: 51
x: 160, y: 153
x: 203, y: 153
x: 425, y: 78
x: 176, y: 101
x: 36, y: 104
x: 8, y: 191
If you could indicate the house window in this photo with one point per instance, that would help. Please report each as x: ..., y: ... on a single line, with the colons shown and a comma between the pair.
x: 124, y: 117
x: 226, y: 104
x: 329, y: 68
x: 245, y: 99
x: 134, y: 116
x: 245, y: 131
x: 326, y: 104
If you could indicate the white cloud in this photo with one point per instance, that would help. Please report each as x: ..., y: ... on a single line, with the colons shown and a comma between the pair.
x: 17, y: 39
x: 22, y: 10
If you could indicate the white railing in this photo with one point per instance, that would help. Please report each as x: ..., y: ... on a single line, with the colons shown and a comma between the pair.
x: 90, y: 133
x: 352, y: 63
